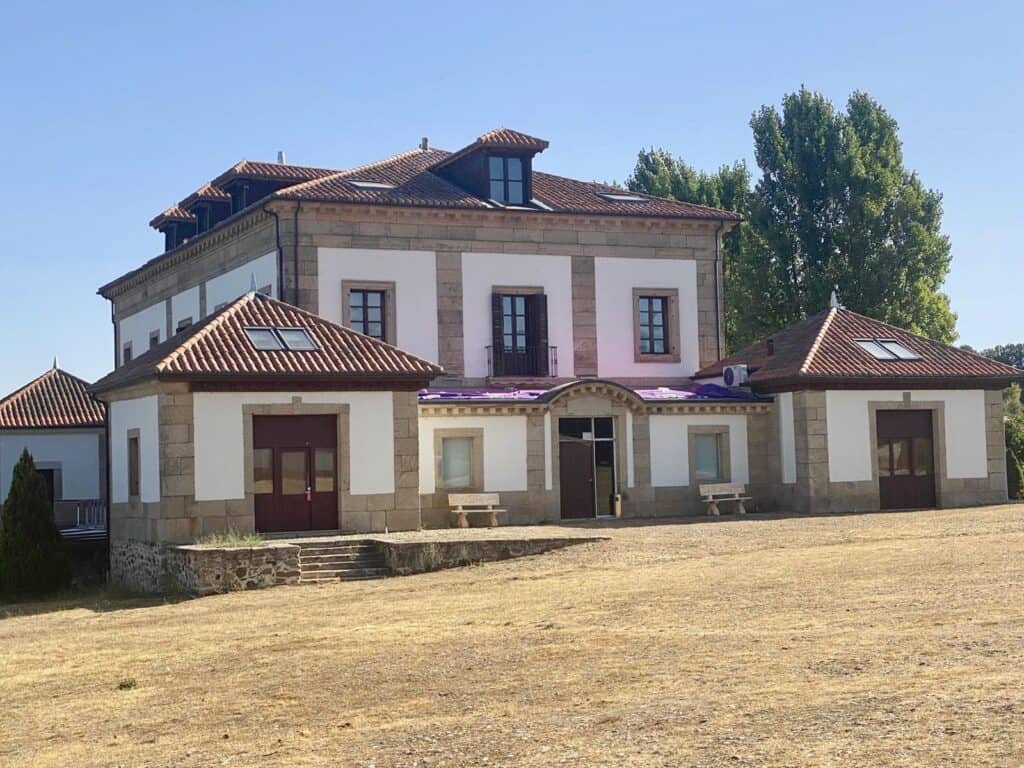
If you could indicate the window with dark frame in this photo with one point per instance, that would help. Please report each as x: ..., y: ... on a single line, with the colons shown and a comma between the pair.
x: 184, y: 323
x: 366, y: 312
x: 505, y: 179
x: 133, y: 466
x: 513, y: 323
x: 126, y: 353
x: 154, y: 338
x: 652, y: 314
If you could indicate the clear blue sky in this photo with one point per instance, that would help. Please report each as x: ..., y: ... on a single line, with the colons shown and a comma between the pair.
x: 112, y: 112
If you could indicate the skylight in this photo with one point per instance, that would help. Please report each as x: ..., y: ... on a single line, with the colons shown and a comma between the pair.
x: 371, y: 184
x: 264, y: 339
x: 622, y: 197
x: 887, y: 349
x: 269, y: 339
x: 297, y: 339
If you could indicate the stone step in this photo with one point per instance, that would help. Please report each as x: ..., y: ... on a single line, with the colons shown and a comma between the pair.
x: 350, y: 565
x: 346, y: 555
x: 353, y: 574
x: 325, y: 548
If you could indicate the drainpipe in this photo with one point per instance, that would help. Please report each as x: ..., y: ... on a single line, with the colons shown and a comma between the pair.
x: 719, y: 309
x: 295, y: 252
x: 280, y: 255
x: 109, y: 501
x: 113, y: 322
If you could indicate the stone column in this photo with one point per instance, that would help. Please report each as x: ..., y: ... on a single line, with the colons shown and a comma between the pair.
x: 450, y: 342
x: 584, y: 319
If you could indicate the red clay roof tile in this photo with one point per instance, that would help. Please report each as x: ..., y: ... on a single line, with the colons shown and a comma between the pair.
x: 218, y: 347
x: 822, y: 349
x: 54, y: 400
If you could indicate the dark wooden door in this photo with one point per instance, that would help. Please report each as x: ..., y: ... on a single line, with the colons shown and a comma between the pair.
x: 906, y: 459
x: 295, y: 475
x: 576, y: 477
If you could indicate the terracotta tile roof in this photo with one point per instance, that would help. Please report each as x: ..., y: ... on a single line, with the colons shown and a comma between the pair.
x: 822, y: 349
x: 206, y: 192
x: 54, y: 400
x: 255, y: 169
x: 219, y: 348
x: 509, y: 139
x: 174, y: 213
x: 415, y: 184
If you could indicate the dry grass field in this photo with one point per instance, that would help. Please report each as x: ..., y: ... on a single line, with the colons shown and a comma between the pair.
x: 874, y: 640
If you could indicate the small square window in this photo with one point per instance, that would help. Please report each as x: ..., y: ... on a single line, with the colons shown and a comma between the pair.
x: 457, y: 462
x: 154, y: 338
x: 297, y: 339
x: 264, y: 339
x: 184, y: 323
x: 707, y: 457
x: 126, y: 353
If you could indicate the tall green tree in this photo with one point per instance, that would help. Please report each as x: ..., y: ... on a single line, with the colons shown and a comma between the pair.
x: 32, y: 556
x: 1011, y: 354
x: 833, y: 206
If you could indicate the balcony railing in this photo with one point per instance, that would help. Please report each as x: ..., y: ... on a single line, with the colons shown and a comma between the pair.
x: 534, y: 362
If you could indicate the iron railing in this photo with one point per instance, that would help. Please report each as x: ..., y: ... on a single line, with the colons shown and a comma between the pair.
x: 91, y: 515
x: 536, y: 362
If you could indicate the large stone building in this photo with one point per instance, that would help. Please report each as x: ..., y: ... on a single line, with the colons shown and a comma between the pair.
x: 570, y: 320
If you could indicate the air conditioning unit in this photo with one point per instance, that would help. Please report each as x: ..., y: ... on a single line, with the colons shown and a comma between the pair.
x: 735, y: 375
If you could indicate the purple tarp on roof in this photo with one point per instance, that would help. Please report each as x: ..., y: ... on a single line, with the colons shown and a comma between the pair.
x: 653, y: 394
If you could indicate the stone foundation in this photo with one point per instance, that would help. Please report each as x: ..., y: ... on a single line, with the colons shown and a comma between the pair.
x: 404, y: 558
x: 195, y: 570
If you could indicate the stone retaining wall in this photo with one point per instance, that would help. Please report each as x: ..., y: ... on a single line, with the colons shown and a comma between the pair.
x: 195, y: 570
x: 404, y: 558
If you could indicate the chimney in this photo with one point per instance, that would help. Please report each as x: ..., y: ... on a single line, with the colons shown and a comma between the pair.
x: 281, y: 158
x: 424, y: 144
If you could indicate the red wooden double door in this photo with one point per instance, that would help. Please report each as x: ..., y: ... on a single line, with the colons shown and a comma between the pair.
x: 295, y: 460
x: 906, y: 460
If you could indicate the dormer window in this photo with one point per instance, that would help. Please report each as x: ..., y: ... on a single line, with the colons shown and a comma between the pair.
x: 202, y: 213
x: 506, y: 179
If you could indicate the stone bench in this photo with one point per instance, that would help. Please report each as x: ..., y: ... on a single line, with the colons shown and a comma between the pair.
x: 465, y: 504
x: 714, y: 493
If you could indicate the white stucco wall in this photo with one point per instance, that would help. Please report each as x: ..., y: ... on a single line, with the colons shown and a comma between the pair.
x: 787, y: 436
x: 142, y: 414
x: 229, y: 286
x: 137, y: 327
x: 851, y: 455
x: 670, y: 450
x: 185, y: 304
x: 77, y: 453
x: 615, y: 279
x: 414, y: 274
x: 481, y: 272
x: 504, y: 449
x: 220, y: 444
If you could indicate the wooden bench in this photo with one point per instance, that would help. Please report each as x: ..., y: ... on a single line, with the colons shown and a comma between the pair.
x: 465, y: 504
x: 714, y: 493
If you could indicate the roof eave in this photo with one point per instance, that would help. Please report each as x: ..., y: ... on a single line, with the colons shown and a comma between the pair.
x: 817, y: 382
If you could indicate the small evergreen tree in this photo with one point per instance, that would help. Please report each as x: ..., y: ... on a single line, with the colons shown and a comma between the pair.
x: 1014, y: 476
x: 32, y: 556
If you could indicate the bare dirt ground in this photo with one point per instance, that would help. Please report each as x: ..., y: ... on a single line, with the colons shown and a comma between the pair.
x: 874, y: 640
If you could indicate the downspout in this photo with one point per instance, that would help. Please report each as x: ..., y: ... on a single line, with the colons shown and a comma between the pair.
x: 109, y: 502
x: 280, y: 255
x: 719, y: 309
x: 117, y: 341
x: 295, y: 252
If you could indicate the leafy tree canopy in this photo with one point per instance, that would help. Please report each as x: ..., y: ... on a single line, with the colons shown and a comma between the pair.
x: 833, y: 206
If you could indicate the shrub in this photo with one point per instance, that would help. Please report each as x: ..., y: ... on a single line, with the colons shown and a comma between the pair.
x: 1014, y: 476
x: 127, y: 684
x: 1014, y: 428
x: 32, y: 556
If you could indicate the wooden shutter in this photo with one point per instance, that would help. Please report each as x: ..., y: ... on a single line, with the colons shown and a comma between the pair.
x: 497, y: 340
x: 537, y: 325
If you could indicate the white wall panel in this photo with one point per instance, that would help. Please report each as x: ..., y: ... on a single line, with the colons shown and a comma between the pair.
x: 141, y: 413
x: 220, y: 446
x: 225, y: 288
x: 504, y: 449
x: 670, y: 449
x: 615, y: 280
x: 414, y: 274
x: 78, y: 454
x: 481, y: 272
x: 787, y: 436
x: 851, y: 454
x: 137, y: 327
x: 185, y: 304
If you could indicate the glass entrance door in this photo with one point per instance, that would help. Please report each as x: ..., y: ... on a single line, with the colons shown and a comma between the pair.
x: 587, y: 473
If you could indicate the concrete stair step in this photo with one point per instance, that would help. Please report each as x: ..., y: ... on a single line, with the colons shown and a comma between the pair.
x: 354, y: 574
x: 352, y: 565
x: 320, y: 549
x: 321, y: 556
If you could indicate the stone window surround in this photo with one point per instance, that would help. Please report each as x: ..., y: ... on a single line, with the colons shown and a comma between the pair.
x: 133, y: 434
x: 297, y: 408
x: 477, y: 461
x: 673, y: 354
x: 724, y: 453
x: 389, y: 314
